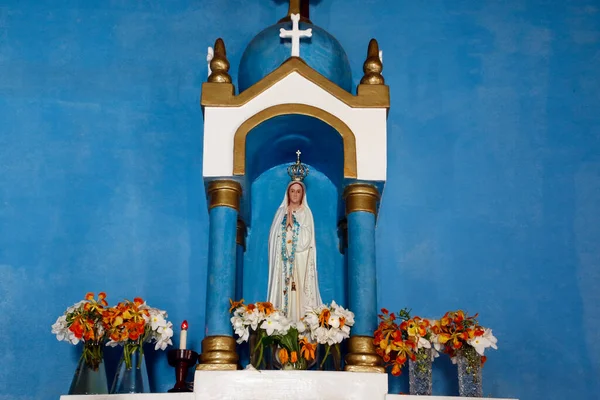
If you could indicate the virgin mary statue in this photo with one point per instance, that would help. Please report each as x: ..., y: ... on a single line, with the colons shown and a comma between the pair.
x: 293, y: 281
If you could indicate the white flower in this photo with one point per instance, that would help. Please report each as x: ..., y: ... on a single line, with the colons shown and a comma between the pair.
x: 479, y: 343
x: 62, y: 331
x: 162, y: 343
x: 334, y: 321
x: 435, y: 341
x: 76, y: 306
x: 243, y: 335
x: 157, y: 321
x: 487, y: 333
x: 300, y: 326
x: 423, y: 343
x: 253, y: 319
x: 271, y: 324
x: 321, y: 334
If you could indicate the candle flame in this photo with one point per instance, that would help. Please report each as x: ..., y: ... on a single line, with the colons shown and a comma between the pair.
x: 184, y: 325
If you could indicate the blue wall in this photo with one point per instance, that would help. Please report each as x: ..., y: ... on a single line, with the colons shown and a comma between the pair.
x: 492, y: 200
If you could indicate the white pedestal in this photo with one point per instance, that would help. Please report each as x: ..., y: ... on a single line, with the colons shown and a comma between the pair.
x: 141, y: 396
x: 279, y: 385
x: 409, y: 397
x: 289, y: 385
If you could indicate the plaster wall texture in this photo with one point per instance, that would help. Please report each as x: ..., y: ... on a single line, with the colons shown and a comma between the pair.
x: 493, y: 183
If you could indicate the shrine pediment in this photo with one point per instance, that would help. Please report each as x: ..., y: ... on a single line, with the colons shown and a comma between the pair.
x: 222, y: 95
x: 295, y: 89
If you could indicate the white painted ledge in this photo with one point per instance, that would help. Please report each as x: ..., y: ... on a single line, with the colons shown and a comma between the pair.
x: 289, y: 385
x: 141, y: 396
x: 191, y: 396
x: 409, y: 397
x: 280, y: 385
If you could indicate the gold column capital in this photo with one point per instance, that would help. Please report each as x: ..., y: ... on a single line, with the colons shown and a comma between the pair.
x: 218, y: 354
x: 224, y: 193
x: 362, y: 356
x: 361, y: 197
x: 240, y: 237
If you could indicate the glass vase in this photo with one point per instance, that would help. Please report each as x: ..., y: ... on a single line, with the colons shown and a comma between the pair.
x: 419, y: 373
x: 90, y: 375
x: 332, y: 359
x: 132, y: 376
x: 469, y: 372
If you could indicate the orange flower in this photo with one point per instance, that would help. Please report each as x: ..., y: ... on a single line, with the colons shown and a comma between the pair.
x: 265, y: 307
x: 77, y: 328
x: 459, y: 317
x: 294, y: 357
x: 101, y: 298
x: 235, y: 304
x: 446, y: 320
x: 283, y: 356
x: 307, y: 349
x: 324, y: 317
x: 138, y: 301
x: 94, y: 306
x: 342, y: 322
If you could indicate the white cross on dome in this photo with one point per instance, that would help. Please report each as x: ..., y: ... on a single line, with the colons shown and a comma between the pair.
x: 295, y: 34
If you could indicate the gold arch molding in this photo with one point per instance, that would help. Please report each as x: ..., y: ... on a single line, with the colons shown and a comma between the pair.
x: 348, y: 138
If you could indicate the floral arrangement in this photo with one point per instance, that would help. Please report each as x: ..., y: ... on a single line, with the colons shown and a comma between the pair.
x: 272, y: 327
x: 329, y: 325
x: 133, y: 323
x: 83, y: 321
x: 397, y: 342
x: 459, y: 333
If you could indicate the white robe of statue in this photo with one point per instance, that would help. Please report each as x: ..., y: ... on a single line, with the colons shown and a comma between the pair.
x: 301, y: 287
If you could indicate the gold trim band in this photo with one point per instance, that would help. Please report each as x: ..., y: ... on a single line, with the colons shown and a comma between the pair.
x: 361, y: 197
x: 218, y: 353
x: 224, y: 193
x: 362, y: 357
x: 348, y: 138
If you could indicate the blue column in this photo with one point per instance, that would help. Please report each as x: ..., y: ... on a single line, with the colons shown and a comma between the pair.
x: 224, y: 204
x: 362, y: 280
x: 221, y: 270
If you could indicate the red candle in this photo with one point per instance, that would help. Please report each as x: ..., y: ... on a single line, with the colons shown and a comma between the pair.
x: 183, y: 336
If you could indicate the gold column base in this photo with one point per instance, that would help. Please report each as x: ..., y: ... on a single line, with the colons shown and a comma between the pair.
x: 362, y: 357
x: 218, y: 354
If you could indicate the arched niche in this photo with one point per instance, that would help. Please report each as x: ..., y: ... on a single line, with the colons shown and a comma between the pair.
x: 241, y: 151
x: 270, y: 148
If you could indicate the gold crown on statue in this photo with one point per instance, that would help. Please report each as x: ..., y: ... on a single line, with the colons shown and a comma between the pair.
x: 298, y: 171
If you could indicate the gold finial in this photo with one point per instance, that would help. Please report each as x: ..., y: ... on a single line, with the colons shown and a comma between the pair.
x: 372, y: 66
x: 298, y: 7
x: 219, y: 65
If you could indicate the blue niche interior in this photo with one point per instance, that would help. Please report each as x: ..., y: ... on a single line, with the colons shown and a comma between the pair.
x: 270, y: 149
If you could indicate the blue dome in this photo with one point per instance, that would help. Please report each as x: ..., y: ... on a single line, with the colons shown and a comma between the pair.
x: 267, y: 51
